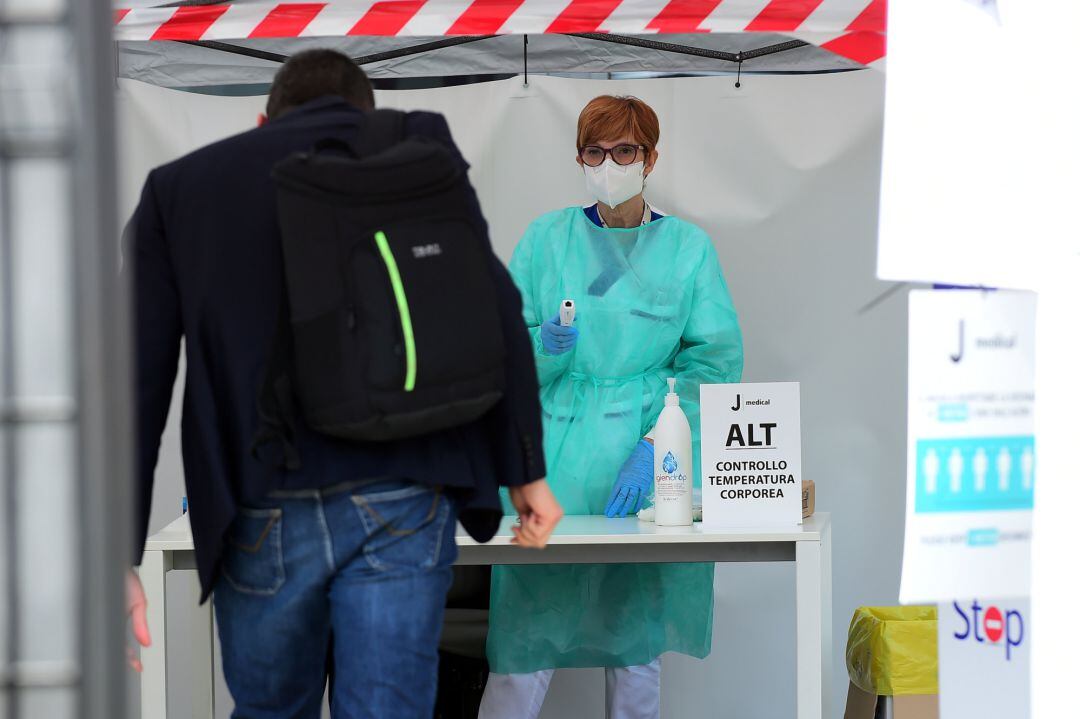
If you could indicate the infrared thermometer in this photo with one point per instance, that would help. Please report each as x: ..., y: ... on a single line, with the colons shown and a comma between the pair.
x: 566, y: 313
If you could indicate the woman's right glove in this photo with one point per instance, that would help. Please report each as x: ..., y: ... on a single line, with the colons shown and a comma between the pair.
x: 556, y: 338
x: 634, y: 484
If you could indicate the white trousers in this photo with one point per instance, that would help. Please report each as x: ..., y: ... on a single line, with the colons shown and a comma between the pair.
x: 632, y: 693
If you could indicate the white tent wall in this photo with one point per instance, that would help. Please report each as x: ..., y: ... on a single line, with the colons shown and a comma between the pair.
x: 784, y: 175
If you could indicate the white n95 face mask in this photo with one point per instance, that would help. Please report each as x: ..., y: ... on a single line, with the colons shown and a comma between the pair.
x: 614, y: 184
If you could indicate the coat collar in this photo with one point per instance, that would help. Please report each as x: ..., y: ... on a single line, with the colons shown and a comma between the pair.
x: 333, y: 103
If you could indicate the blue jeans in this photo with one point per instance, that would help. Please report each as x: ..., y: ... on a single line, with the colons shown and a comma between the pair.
x: 368, y: 563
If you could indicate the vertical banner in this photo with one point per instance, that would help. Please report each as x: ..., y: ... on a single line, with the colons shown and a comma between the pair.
x: 984, y: 659
x: 971, y: 221
x: 971, y: 445
x: 751, y: 454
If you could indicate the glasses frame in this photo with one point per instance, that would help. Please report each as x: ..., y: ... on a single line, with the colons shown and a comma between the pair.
x: 608, y: 152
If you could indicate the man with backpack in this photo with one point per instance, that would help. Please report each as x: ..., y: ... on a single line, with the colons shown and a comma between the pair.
x: 358, y: 377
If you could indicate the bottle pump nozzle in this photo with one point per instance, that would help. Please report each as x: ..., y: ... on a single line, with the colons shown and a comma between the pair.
x: 672, y: 399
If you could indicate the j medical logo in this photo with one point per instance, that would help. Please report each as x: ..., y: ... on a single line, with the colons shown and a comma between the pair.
x: 739, y: 404
x: 959, y: 354
x: 996, y: 628
x: 997, y: 341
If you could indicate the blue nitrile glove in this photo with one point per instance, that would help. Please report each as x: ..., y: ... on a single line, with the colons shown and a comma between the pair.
x: 556, y: 338
x: 634, y: 484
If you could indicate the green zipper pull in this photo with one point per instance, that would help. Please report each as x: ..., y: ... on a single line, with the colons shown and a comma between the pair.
x: 403, y: 309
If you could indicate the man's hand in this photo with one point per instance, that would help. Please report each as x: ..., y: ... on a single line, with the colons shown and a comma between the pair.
x: 539, y: 512
x: 136, y: 609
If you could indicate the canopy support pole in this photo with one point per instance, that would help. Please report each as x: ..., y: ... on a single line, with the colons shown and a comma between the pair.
x: 362, y: 60
x: 237, y: 50
x: 689, y: 50
x: 418, y: 49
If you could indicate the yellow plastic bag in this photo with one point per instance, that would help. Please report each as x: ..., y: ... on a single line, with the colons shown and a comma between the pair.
x: 893, y: 650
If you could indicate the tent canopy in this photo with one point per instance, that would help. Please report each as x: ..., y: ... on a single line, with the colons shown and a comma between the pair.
x: 853, y: 30
x: 182, y: 66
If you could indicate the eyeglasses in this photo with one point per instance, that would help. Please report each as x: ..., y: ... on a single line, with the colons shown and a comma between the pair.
x: 594, y: 155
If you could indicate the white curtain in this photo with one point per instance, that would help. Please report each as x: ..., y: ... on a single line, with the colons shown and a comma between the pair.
x: 783, y: 173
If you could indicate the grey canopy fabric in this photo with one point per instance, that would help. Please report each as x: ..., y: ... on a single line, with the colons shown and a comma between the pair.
x: 185, y: 66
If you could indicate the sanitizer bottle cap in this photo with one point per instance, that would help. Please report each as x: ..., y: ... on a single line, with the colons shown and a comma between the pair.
x: 672, y: 399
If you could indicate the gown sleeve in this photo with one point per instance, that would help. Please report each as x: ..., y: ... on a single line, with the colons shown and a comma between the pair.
x: 711, y: 348
x: 524, y: 270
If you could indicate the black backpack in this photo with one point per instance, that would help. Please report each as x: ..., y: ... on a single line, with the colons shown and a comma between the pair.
x: 390, y: 328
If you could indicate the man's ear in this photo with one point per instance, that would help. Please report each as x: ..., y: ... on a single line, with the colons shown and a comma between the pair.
x: 262, y: 120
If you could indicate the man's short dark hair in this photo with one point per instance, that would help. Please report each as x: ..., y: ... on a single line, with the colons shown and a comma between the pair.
x: 313, y: 74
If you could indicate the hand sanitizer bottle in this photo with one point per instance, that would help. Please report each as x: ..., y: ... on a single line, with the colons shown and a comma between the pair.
x: 673, y: 464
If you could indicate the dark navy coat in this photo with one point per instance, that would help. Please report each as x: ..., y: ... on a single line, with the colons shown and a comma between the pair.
x: 204, y: 252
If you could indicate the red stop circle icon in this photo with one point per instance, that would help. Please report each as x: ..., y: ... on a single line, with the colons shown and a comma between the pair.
x: 994, y: 624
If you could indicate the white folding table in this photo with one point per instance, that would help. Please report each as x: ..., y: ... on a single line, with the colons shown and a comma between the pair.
x: 577, y: 540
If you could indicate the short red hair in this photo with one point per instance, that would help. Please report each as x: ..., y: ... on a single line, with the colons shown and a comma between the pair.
x: 608, y: 118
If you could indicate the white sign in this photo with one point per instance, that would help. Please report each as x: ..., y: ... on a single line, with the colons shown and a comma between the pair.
x: 984, y: 659
x: 751, y: 454
x: 971, y: 445
x: 978, y: 187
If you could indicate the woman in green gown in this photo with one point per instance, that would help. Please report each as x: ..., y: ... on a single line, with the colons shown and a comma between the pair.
x: 651, y: 303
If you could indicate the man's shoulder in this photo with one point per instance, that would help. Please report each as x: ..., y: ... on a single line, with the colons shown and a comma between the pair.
x: 425, y: 121
x: 216, y: 153
x: 271, y: 141
x: 432, y: 125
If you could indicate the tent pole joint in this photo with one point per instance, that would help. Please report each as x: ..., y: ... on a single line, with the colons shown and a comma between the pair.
x: 525, y: 52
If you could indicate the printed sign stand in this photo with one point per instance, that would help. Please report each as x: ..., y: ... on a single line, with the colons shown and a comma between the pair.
x: 751, y: 455
x: 984, y: 658
x: 971, y: 445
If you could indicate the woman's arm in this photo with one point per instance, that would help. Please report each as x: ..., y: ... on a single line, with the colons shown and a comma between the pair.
x: 711, y: 349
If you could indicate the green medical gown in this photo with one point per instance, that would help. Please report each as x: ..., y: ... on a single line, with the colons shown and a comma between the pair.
x: 651, y: 303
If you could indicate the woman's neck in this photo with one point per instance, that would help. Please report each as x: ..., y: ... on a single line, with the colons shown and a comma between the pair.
x: 628, y: 214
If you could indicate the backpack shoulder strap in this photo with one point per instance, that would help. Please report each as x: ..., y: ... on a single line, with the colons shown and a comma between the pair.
x: 383, y: 129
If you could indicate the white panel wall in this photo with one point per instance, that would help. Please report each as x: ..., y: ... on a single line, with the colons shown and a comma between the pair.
x: 784, y: 175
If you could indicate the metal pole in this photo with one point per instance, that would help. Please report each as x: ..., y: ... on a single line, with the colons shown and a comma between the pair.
x: 105, y: 460
x: 10, y: 469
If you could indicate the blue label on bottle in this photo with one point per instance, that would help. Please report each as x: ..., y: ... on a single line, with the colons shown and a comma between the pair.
x: 670, y: 465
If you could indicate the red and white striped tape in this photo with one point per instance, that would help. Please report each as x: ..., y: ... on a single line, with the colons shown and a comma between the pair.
x: 852, y: 28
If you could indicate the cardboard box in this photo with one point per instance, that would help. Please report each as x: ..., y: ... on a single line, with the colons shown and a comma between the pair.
x: 807, y: 498
x: 861, y: 705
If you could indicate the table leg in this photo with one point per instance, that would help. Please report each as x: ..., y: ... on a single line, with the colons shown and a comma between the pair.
x: 826, y: 622
x: 202, y: 653
x: 154, y: 680
x: 809, y: 646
